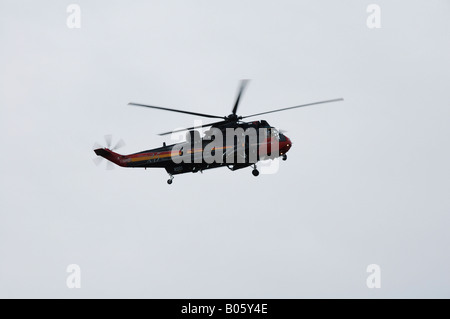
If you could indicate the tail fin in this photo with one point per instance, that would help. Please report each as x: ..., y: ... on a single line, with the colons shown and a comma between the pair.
x: 110, y: 156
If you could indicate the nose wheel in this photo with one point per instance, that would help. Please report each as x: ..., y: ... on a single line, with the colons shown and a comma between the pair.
x: 170, y: 180
x: 284, y: 157
x: 255, y: 172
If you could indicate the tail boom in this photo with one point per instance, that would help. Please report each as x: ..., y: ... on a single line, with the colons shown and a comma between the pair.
x: 111, y: 156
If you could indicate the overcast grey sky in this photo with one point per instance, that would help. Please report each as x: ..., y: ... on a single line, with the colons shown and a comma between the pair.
x: 367, y: 180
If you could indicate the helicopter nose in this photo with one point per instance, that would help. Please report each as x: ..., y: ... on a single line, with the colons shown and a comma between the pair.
x: 286, y: 146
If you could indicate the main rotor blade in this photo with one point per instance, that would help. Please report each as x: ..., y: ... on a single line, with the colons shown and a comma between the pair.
x: 191, y: 128
x: 293, y: 107
x: 178, y: 111
x: 241, y: 90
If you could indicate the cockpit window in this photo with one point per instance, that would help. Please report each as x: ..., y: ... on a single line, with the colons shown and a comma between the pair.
x: 275, y: 133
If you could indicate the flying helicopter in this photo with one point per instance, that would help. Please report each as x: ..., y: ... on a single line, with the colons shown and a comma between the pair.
x: 213, y: 149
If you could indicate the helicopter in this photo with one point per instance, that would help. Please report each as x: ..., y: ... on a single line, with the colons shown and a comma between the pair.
x: 243, y: 145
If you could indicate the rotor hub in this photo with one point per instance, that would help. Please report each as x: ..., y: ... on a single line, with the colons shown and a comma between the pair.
x: 232, y: 117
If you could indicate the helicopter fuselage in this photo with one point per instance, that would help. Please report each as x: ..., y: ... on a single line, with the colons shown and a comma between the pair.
x: 196, y: 155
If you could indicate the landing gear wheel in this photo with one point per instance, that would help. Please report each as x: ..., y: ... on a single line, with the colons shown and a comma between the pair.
x: 284, y: 157
x: 255, y: 172
x: 169, y: 181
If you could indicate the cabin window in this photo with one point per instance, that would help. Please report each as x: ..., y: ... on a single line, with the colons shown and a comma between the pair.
x: 275, y: 134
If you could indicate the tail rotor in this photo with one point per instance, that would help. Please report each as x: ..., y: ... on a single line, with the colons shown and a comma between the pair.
x: 108, y: 141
